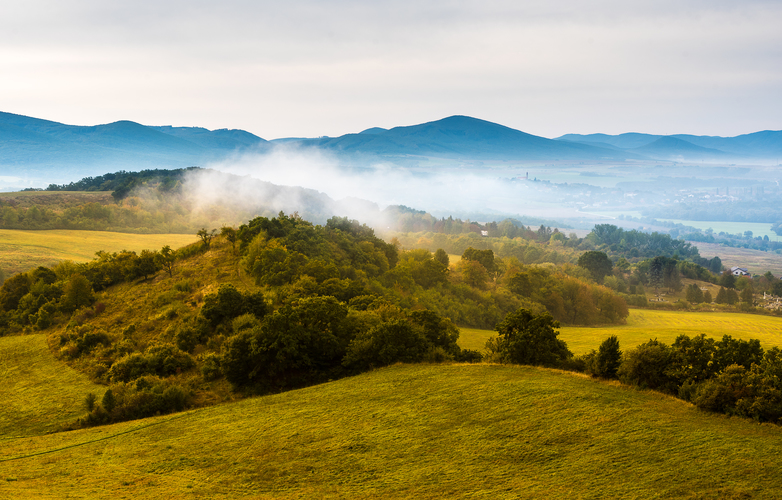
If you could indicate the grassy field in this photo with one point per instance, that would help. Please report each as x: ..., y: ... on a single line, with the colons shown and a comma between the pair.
x: 414, y: 431
x: 645, y: 324
x: 23, y: 250
x: 756, y: 261
x: 38, y: 392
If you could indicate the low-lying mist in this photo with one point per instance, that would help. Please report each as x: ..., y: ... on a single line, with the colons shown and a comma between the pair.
x: 458, y: 191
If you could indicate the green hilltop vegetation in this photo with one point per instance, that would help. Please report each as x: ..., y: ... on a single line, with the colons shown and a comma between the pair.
x: 311, y: 316
x: 282, y: 303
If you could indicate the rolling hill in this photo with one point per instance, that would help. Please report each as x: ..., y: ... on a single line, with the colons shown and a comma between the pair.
x: 413, y: 431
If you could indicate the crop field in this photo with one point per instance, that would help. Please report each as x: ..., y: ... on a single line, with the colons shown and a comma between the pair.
x: 645, y: 324
x: 757, y: 261
x: 38, y: 392
x: 23, y: 250
x: 413, y: 431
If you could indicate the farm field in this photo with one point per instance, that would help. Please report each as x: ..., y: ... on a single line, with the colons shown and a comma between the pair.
x: 758, y: 262
x: 645, y: 324
x: 422, y: 431
x: 24, y: 250
x: 39, y: 393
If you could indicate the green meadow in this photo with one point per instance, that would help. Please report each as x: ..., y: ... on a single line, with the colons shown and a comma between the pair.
x: 39, y: 393
x: 645, y: 324
x: 413, y: 431
x: 23, y: 250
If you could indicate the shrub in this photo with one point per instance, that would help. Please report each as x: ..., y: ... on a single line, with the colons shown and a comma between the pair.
x: 210, y: 367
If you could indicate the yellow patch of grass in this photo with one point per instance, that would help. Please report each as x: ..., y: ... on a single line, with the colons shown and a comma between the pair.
x: 414, y: 431
x: 38, y: 393
x: 24, y: 250
x: 645, y: 324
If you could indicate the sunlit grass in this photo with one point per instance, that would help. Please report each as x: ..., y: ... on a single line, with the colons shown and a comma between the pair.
x: 645, y: 324
x: 38, y: 393
x: 414, y: 431
x: 24, y: 250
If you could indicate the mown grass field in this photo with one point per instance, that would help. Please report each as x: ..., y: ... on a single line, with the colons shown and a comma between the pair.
x: 645, y: 324
x: 24, y: 250
x: 38, y: 393
x: 413, y: 431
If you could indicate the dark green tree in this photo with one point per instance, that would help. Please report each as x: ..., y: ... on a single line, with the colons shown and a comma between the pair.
x: 77, y: 293
x: 531, y: 339
x: 597, y: 263
x: 608, y: 358
x: 441, y: 256
x: 694, y: 294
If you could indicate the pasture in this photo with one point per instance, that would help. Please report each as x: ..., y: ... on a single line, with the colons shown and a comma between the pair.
x: 39, y: 393
x: 645, y: 324
x: 414, y: 431
x: 756, y: 261
x: 24, y: 250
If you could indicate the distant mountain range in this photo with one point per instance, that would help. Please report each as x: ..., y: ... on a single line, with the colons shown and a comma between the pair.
x: 759, y: 145
x: 36, y: 148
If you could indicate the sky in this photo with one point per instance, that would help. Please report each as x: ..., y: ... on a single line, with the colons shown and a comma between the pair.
x: 314, y: 68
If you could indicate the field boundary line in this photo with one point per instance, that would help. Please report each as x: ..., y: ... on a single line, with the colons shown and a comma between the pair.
x: 76, y: 445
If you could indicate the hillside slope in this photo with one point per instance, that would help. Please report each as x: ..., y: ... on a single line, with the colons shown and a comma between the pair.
x: 39, y: 393
x: 414, y: 431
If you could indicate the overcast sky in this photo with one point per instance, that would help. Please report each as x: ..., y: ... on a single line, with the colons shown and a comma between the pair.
x: 311, y: 68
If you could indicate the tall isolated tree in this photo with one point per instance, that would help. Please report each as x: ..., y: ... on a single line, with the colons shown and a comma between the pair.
x: 608, y: 358
x: 206, y: 236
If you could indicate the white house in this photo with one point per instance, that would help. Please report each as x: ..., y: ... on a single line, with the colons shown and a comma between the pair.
x: 739, y: 271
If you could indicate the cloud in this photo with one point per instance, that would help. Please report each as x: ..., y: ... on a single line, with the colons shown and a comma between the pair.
x: 310, y: 68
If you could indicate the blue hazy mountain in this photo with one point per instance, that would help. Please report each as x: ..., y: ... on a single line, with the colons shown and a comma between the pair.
x: 463, y: 137
x: 669, y: 147
x: 31, y: 147
x: 758, y: 145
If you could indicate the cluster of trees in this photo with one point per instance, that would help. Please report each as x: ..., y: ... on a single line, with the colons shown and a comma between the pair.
x: 568, y: 299
x: 634, y: 244
x: 35, y: 297
x: 729, y: 375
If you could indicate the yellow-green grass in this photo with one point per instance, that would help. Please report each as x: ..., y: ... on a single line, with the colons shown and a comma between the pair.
x: 414, y: 431
x: 23, y: 250
x: 38, y: 393
x: 645, y: 324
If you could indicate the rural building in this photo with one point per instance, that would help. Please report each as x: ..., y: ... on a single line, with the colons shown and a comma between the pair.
x: 739, y: 271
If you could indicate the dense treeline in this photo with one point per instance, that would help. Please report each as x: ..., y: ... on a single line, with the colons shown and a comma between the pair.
x: 122, y: 182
